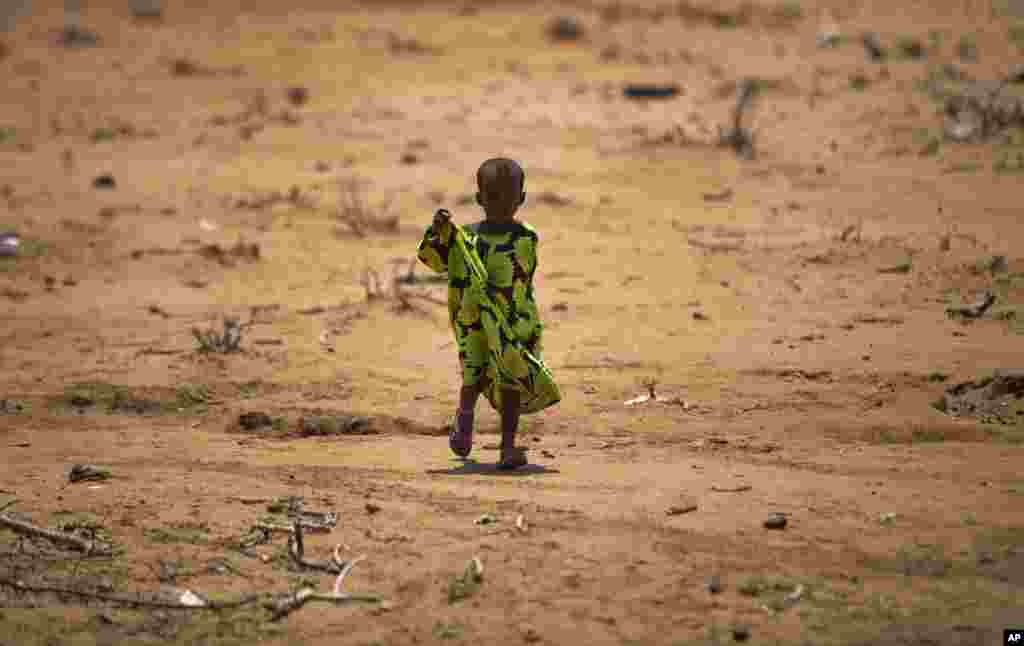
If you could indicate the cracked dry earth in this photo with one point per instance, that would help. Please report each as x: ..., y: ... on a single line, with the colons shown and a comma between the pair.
x: 792, y: 373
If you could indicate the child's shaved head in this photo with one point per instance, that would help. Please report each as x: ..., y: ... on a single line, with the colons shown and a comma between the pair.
x: 501, y: 183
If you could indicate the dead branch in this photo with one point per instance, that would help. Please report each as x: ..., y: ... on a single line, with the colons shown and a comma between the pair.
x: 737, y: 137
x: 64, y: 540
x: 284, y: 607
x: 137, y: 602
x: 297, y: 550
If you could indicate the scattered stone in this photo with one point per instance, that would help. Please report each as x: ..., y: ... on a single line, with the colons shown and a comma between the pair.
x: 547, y: 454
x: 829, y: 38
x: 644, y: 91
x: 1016, y: 74
x: 105, y: 181
x: 409, y: 159
x: 973, y: 310
x: 998, y: 265
x: 701, y: 316
x: 991, y: 398
x: 87, y: 473
x: 775, y: 521
x: 372, y: 508
x: 297, y: 95
x: 565, y: 28
x: 741, y: 633
x: 254, y: 421
x: 911, y: 48
x: 146, y: 9
x: 9, y: 244
x: 967, y: 51
x: 560, y: 307
x: 74, y: 36
x: 10, y: 406
x: 335, y: 425
x: 714, y: 584
x: 678, y: 510
x: 876, y: 53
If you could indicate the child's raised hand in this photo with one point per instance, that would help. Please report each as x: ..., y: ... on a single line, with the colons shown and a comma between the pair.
x: 441, y: 218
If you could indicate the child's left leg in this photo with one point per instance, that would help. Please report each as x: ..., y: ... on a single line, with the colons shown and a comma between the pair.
x: 512, y: 457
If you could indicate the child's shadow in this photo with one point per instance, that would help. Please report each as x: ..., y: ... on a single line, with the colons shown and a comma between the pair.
x: 472, y: 467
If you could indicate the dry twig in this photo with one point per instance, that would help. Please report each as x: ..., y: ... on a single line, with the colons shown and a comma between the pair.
x: 64, y: 540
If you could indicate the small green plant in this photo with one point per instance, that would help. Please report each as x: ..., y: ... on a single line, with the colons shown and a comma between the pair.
x: 100, y: 135
x: 279, y: 424
x: 937, y: 377
x: 859, y: 82
x: 444, y: 631
x: 789, y: 11
x: 7, y: 134
x: 909, y: 47
x: 966, y: 48
x: 190, y: 396
x: 1016, y: 34
x: 1009, y: 163
x: 248, y: 390
x: 931, y: 148
x: 934, y: 40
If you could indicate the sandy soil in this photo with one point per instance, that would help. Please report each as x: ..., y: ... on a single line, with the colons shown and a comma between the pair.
x: 794, y: 376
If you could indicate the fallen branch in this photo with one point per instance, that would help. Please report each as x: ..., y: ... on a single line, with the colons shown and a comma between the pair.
x: 129, y: 601
x: 973, y: 310
x: 290, y: 604
x: 297, y: 550
x: 58, y: 538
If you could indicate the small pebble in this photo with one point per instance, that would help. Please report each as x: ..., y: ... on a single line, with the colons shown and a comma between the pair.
x: 775, y: 521
x: 372, y: 508
x: 741, y: 633
x: 714, y: 584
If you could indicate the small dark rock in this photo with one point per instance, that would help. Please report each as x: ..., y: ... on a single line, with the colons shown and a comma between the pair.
x: 409, y: 159
x: 560, y: 307
x: 1016, y: 74
x: 648, y: 91
x: 86, y: 472
x: 105, y: 181
x: 741, y: 633
x: 876, y: 53
x: 254, y: 421
x: 322, y: 167
x: 700, y: 316
x: 298, y: 95
x: 371, y: 508
x: 775, y: 521
x: 565, y: 28
x: 714, y: 584
x: 80, y: 401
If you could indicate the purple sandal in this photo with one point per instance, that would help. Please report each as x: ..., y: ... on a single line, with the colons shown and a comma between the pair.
x: 461, y: 438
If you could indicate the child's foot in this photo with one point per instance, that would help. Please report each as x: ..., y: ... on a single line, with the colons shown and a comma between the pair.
x: 461, y: 438
x: 512, y: 458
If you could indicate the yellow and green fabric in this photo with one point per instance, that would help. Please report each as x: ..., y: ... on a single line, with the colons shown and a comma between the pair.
x: 492, y: 309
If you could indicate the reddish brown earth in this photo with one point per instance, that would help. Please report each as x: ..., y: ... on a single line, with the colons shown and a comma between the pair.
x: 808, y: 380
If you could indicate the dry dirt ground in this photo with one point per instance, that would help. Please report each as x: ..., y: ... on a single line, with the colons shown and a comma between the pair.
x: 793, y: 374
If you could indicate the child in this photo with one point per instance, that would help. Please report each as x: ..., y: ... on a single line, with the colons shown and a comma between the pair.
x: 490, y: 268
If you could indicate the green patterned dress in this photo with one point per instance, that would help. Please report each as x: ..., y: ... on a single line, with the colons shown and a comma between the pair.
x: 491, y: 307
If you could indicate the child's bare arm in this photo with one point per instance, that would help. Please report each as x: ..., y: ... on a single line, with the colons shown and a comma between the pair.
x: 433, y: 249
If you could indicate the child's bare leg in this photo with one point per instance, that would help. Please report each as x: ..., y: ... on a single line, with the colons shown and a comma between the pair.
x: 461, y: 438
x: 509, y: 418
x: 511, y: 456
